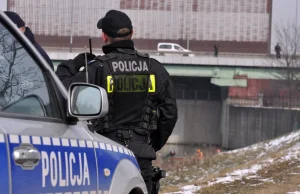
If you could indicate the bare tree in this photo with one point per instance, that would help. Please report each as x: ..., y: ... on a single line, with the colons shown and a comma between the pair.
x: 18, y: 72
x: 288, y: 37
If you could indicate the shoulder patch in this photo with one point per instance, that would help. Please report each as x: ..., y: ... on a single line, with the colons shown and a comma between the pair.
x: 105, y: 57
x: 92, y: 61
x: 146, y: 55
x: 95, y: 62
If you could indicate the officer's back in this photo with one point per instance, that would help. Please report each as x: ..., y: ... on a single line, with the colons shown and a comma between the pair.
x: 142, y: 109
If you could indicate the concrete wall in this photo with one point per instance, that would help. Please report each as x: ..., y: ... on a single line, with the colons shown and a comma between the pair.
x: 198, y: 122
x: 201, y: 122
x: 248, y: 125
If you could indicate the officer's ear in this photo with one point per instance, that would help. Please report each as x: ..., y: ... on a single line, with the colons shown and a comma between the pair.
x: 23, y: 29
x: 131, y: 34
x: 104, y: 38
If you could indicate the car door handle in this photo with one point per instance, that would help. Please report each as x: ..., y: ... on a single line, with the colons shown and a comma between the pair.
x: 26, y: 156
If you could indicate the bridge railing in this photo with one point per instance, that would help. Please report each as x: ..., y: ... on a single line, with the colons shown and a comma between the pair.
x: 185, y: 94
x: 182, y: 58
x: 265, y: 101
x: 165, y: 53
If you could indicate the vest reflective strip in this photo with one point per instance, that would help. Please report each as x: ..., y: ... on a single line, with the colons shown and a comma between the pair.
x: 110, y: 84
x: 152, y: 83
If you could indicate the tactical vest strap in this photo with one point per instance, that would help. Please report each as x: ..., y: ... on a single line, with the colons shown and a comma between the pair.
x: 146, y: 118
x: 152, y: 127
x: 150, y: 116
x: 105, y: 125
x: 147, y: 110
x: 144, y: 125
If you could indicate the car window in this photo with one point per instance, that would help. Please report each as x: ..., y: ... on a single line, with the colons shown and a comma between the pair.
x: 23, y: 87
x: 165, y: 46
x: 178, y: 48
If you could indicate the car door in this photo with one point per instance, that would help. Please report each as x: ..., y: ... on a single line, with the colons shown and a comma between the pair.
x: 45, y: 155
x: 177, y: 48
x: 4, y: 176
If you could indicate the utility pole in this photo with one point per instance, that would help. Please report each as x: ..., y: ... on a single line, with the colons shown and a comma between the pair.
x: 296, y: 13
x: 190, y: 9
x: 71, y: 33
x: 296, y: 26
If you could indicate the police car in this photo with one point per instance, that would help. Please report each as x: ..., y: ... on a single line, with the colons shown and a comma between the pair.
x: 45, y: 144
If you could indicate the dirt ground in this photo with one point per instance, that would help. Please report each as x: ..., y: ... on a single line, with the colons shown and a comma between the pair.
x: 280, y: 178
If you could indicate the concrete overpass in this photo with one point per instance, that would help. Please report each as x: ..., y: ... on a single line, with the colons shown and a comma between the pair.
x: 222, y: 70
x: 202, y: 82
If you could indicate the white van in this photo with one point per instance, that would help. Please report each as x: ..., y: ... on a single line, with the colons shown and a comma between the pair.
x: 169, y: 48
x: 45, y: 144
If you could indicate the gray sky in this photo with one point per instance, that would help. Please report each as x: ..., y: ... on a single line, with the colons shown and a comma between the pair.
x: 3, y: 5
x: 283, y: 10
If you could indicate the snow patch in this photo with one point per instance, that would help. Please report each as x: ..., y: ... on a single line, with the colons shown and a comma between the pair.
x: 189, y: 189
x: 250, y: 173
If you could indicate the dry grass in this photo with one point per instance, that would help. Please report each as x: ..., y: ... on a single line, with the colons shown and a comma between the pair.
x: 183, y: 170
x: 169, y: 188
x: 190, y: 170
x: 277, y: 174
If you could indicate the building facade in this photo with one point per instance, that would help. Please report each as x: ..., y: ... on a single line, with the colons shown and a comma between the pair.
x: 236, y: 25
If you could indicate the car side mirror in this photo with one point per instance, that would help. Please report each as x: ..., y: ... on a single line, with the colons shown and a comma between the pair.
x: 87, y: 101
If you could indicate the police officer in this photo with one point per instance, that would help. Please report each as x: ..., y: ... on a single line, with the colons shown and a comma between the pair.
x: 28, y: 33
x: 142, y: 106
x: 278, y: 50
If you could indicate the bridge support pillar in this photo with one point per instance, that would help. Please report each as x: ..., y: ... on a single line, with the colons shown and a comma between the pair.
x: 224, y: 124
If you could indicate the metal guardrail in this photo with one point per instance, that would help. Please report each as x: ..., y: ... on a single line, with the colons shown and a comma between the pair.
x: 181, y: 58
x: 162, y: 53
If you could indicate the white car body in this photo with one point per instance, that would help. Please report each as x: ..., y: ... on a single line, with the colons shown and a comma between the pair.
x: 172, y: 48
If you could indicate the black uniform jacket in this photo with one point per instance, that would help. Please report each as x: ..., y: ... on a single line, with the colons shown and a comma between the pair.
x: 165, y: 97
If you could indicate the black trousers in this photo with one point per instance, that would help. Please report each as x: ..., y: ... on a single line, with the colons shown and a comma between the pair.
x: 216, y: 53
x: 142, y: 151
x: 146, y: 170
x: 278, y: 55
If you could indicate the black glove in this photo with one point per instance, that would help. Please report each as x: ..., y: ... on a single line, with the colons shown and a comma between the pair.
x: 79, y: 60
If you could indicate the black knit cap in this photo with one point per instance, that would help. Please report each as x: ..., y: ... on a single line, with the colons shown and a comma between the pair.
x: 114, y: 21
x: 15, y: 18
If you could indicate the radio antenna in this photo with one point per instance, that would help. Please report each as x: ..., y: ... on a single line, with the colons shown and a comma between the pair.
x: 86, y: 66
